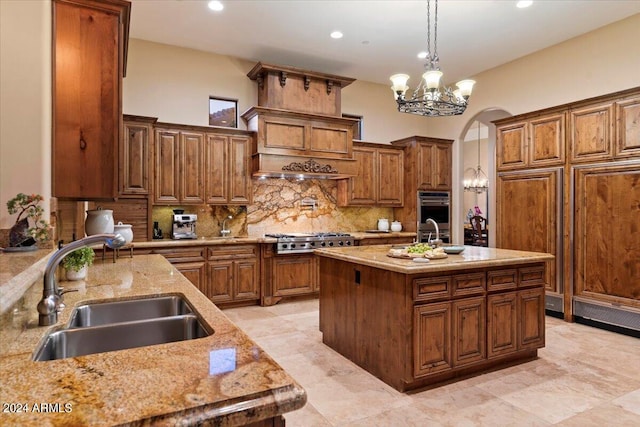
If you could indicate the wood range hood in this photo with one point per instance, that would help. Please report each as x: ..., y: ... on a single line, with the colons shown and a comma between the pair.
x: 300, y: 131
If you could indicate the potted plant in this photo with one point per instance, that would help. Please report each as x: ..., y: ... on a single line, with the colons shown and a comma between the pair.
x: 29, y: 226
x: 76, y: 263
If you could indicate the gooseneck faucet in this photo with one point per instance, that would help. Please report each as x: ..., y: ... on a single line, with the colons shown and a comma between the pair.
x: 51, y: 303
x: 436, y: 242
x: 224, y: 232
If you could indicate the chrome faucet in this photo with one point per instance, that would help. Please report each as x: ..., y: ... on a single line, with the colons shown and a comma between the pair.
x: 435, y: 242
x: 51, y: 303
x: 224, y: 232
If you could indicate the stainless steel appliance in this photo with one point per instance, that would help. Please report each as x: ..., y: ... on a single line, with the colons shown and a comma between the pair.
x: 299, y: 243
x: 437, y: 206
x: 184, y: 226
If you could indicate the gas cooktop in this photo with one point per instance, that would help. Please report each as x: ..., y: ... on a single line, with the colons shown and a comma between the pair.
x: 297, y: 243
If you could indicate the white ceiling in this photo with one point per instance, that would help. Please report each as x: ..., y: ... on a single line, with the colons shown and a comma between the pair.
x: 381, y: 38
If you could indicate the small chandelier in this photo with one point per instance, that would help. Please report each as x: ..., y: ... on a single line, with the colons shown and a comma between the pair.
x: 428, y: 99
x: 476, y: 181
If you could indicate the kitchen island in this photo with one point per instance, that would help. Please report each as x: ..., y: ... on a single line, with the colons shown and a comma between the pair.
x: 417, y: 324
x: 224, y: 378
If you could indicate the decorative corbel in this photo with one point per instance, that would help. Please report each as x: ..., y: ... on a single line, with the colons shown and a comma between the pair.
x: 283, y: 78
x: 260, y: 80
x: 329, y: 86
x: 307, y: 82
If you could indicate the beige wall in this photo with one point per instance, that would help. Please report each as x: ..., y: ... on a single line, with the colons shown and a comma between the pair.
x: 25, y: 104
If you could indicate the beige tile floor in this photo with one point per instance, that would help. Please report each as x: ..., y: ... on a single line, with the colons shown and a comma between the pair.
x: 583, y: 377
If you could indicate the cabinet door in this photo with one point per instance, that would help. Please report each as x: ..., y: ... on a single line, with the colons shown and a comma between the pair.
x: 361, y: 189
x: 442, y: 167
x: 511, y: 146
x: 220, y: 281
x: 425, y: 166
x: 216, y: 157
x: 546, y: 141
x: 502, y: 324
x: 431, y: 338
x: 239, y: 170
x: 167, y: 172
x: 529, y: 216
x: 245, y: 279
x: 606, y: 245
x: 134, y: 160
x: 591, y: 133
x: 191, y: 167
x: 531, y: 319
x: 195, y: 272
x: 469, y: 334
x: 390, y: 169
x: 293, y: 275
x: 86, y: 99
x: 628, y: 128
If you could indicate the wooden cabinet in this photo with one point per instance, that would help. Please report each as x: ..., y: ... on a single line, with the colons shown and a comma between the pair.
x: 536, y: 141
x: 591, y: 132
x: 87, y: 96
x: 227, y: 176
x: 190, y: 261
x: 628, y: 128
x: 179, y: 167
x: 434, y: 166
x: 607, y: 234
x: 135, y: 156
x: 233, y: 274
x: 386, y: 240
x: 379, y: 180
x: 427, y: 166
x: 193, y: 166
x: 529, y: 218
x: 412, y: 330
x: 287, y: 275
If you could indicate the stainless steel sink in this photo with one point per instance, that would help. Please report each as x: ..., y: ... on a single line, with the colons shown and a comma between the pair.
x: 119, y: 336
x: 104, y: 313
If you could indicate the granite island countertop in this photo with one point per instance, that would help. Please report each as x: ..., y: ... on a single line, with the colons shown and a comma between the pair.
x: 167, y: 384
x: 471, y: 257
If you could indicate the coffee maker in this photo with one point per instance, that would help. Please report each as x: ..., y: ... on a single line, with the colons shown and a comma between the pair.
x: 183, y: 226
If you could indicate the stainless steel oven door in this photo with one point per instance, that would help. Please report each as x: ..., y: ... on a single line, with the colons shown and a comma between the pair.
x: 434, y: 205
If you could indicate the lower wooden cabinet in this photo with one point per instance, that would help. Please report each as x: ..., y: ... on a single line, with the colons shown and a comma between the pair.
x: 431, y: 338
x: 195, y: 272
x: 289, y: 275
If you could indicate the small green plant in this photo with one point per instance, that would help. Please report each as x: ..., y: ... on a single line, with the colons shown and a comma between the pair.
x: 78, y: 259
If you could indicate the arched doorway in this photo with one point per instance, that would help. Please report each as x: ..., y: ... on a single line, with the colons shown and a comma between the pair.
x: 479, y: 132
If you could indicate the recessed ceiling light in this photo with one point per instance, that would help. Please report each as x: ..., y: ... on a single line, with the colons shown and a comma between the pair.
x: 336, y: 35
x: 524, y: 3
x: 215, y: 5
x: 422, y: 55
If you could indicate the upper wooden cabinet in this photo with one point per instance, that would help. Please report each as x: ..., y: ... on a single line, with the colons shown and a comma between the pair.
x: 227, y: 179
x: 379, y: 180
x: 591, y: 132
x: 628, y: 128
x: 135, y: 155
x: 87, y: 96
x: 533, y: 142
x: 195, y: 165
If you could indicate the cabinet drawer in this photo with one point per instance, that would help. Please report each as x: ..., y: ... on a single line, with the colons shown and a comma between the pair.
x: 232, y: 252
x: 469, y: 284
x: 531, y: 276
x: 500, y: 280
x: 431, y: 288
x: 175, y: 255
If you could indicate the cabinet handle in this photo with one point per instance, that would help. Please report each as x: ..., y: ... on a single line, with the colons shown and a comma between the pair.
x: 83, y: 143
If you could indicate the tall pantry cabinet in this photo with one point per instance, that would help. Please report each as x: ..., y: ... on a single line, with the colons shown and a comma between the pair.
x: 569, y: 183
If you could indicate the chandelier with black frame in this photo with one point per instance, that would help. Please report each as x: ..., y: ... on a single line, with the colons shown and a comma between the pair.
x: 475, y: 180
x: 429, y: 99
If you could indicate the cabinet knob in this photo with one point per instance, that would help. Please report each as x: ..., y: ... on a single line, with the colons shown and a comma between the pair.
x: 83, y: 143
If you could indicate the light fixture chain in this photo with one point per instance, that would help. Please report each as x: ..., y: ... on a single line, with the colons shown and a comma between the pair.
x: 435, y: 39
x: 429, y: 56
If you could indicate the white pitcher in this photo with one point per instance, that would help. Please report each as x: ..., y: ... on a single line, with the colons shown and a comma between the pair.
x: 383, y: 224
x: 98, y: 221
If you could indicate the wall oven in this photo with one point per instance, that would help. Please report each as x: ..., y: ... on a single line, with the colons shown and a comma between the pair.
x: 437, y: 206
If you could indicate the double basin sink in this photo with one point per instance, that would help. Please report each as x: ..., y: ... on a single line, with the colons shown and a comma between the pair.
x: 119, y: 325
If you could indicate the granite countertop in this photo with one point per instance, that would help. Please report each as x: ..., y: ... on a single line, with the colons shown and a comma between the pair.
x: 471, y: 257
x: 18, y: 271
x: 167, y: 384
